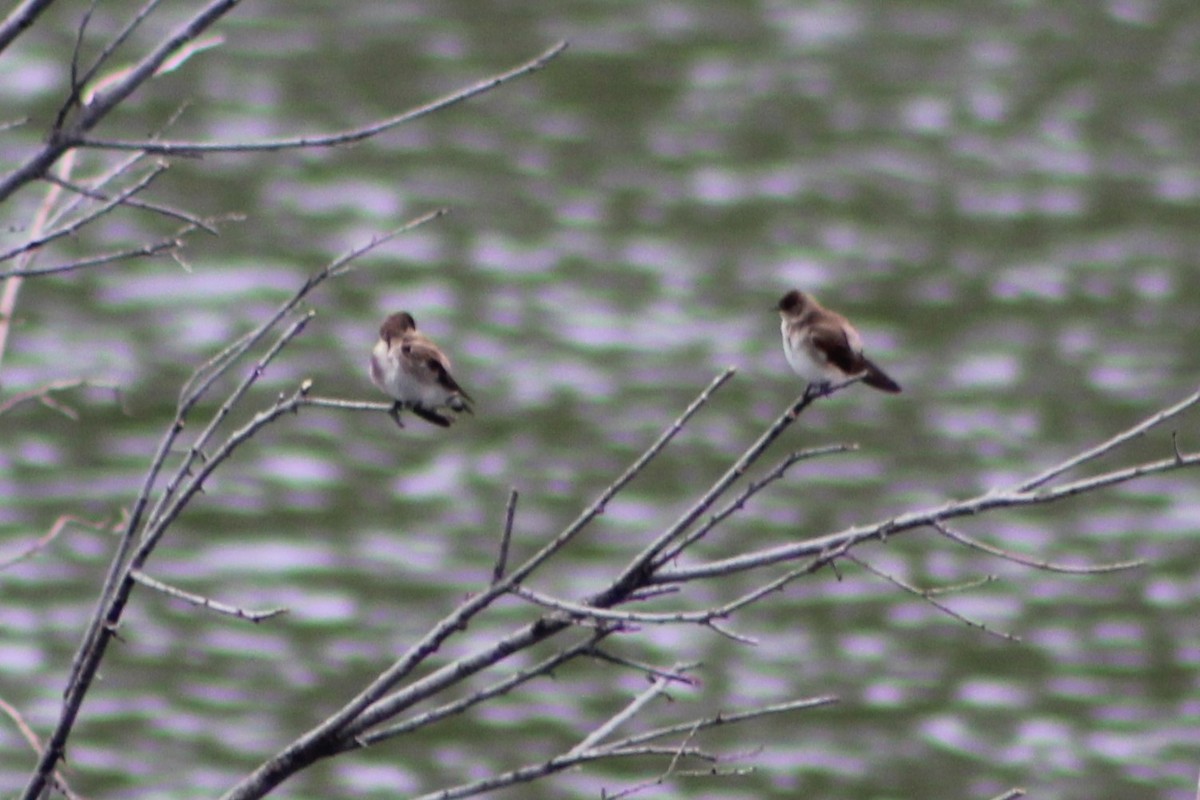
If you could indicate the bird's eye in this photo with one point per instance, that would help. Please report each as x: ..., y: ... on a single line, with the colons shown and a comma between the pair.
x: 406, y: 349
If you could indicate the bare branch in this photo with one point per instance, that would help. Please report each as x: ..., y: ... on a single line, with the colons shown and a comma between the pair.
x: 726, y: 719
x: 652, y: 672
x: 31, y: 738
x: 720, y: 629
x: 599, y: 734
x: 964, y: 586
x: 662, y: 777
x: 42, y: 394
x: 510, y: 511
x: 928, y: 598
x: 204, y: 602
x: 1013, y: 794
x: 171, y: 506
x: 347, y: 405
x: 204, y: 377
x: 1109, y: 445
x: 78, y: 84
x: 644, y: 562
x: 372, y: 705
x: 120, y: 583
x: 20, y: 19
x: 145, y: 251
x: 706, y: 617
x: 73, y: 96
x: 103, y: 103
x: 88, y: 218
x: 330, y: 140
x: 514, y: 681
x: 632, y: 745
x: 166, y: 211
x: 752, y: 489
x: 1008, y: 555
x: 550, y: 767
x: 49, y: 536
x: 916, y: 519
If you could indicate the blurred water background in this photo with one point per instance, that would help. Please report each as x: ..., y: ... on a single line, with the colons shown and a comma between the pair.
x: 1004, y: 196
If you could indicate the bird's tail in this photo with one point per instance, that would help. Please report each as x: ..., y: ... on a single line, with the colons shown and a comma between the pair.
x: 879, y: 379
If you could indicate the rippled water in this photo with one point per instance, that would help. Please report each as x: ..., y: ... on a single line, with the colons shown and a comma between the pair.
x: 1003, y: 197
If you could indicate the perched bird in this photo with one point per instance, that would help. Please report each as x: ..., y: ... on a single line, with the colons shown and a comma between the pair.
x: 409, y: 367
x: 823, y: 347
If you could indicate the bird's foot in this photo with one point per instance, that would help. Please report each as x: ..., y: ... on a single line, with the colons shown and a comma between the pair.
x: 815, y: 390
x: 394, y: 412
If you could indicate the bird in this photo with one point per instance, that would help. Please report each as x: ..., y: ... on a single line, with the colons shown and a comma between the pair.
x: 410, y: 368
x: 822, y: 346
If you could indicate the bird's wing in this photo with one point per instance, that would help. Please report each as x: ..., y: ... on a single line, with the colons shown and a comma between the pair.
x: 838, y: 349
x: 431, y: 362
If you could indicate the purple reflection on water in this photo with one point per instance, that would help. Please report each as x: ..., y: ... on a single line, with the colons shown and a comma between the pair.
x: 927, y: 114
x: 994, y: 693
x: 502, y: 254
x: 298, y: 467
x: 1044, y: 741
x: 360, y: 777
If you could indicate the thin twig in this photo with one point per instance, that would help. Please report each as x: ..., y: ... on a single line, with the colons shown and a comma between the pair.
x: 1014, y: 793
x: 663, y: 776
x: 347, y: 405
x: 330, y: 140
x: 643, y: 563
x: 1106, y: 446
x: 112, y: 601
x: 42, y: 393
x: 964, y: 586
x: 510, y: 511
x: 651, y: 671
x: 166, y: 211
x: 373, y: 705
x: 463, y: 613
x: 927, y: 597
x: 626, y: 747
x: 86, y: 219
x: 170, y: 507
x: 657, y: 687
x: 42, y: 219
x: 726, y: 719
x: 550, y: 767
x: 206, y: 375
x: 31, y: 738
x: 76, y: 84
x: 514, y: 681
x: 201, y: 601
x: 49, y: 536
x: 917, y: 519
x: 705, y: 617
x: 99, y: 106
x: 145, y: 251
x: 751, y: 489
x: 135, y: 21
x: 1047, y: 566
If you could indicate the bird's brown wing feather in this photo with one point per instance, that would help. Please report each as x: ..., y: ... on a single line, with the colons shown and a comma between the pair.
x: 426, y: 356
x: 831, y: 340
